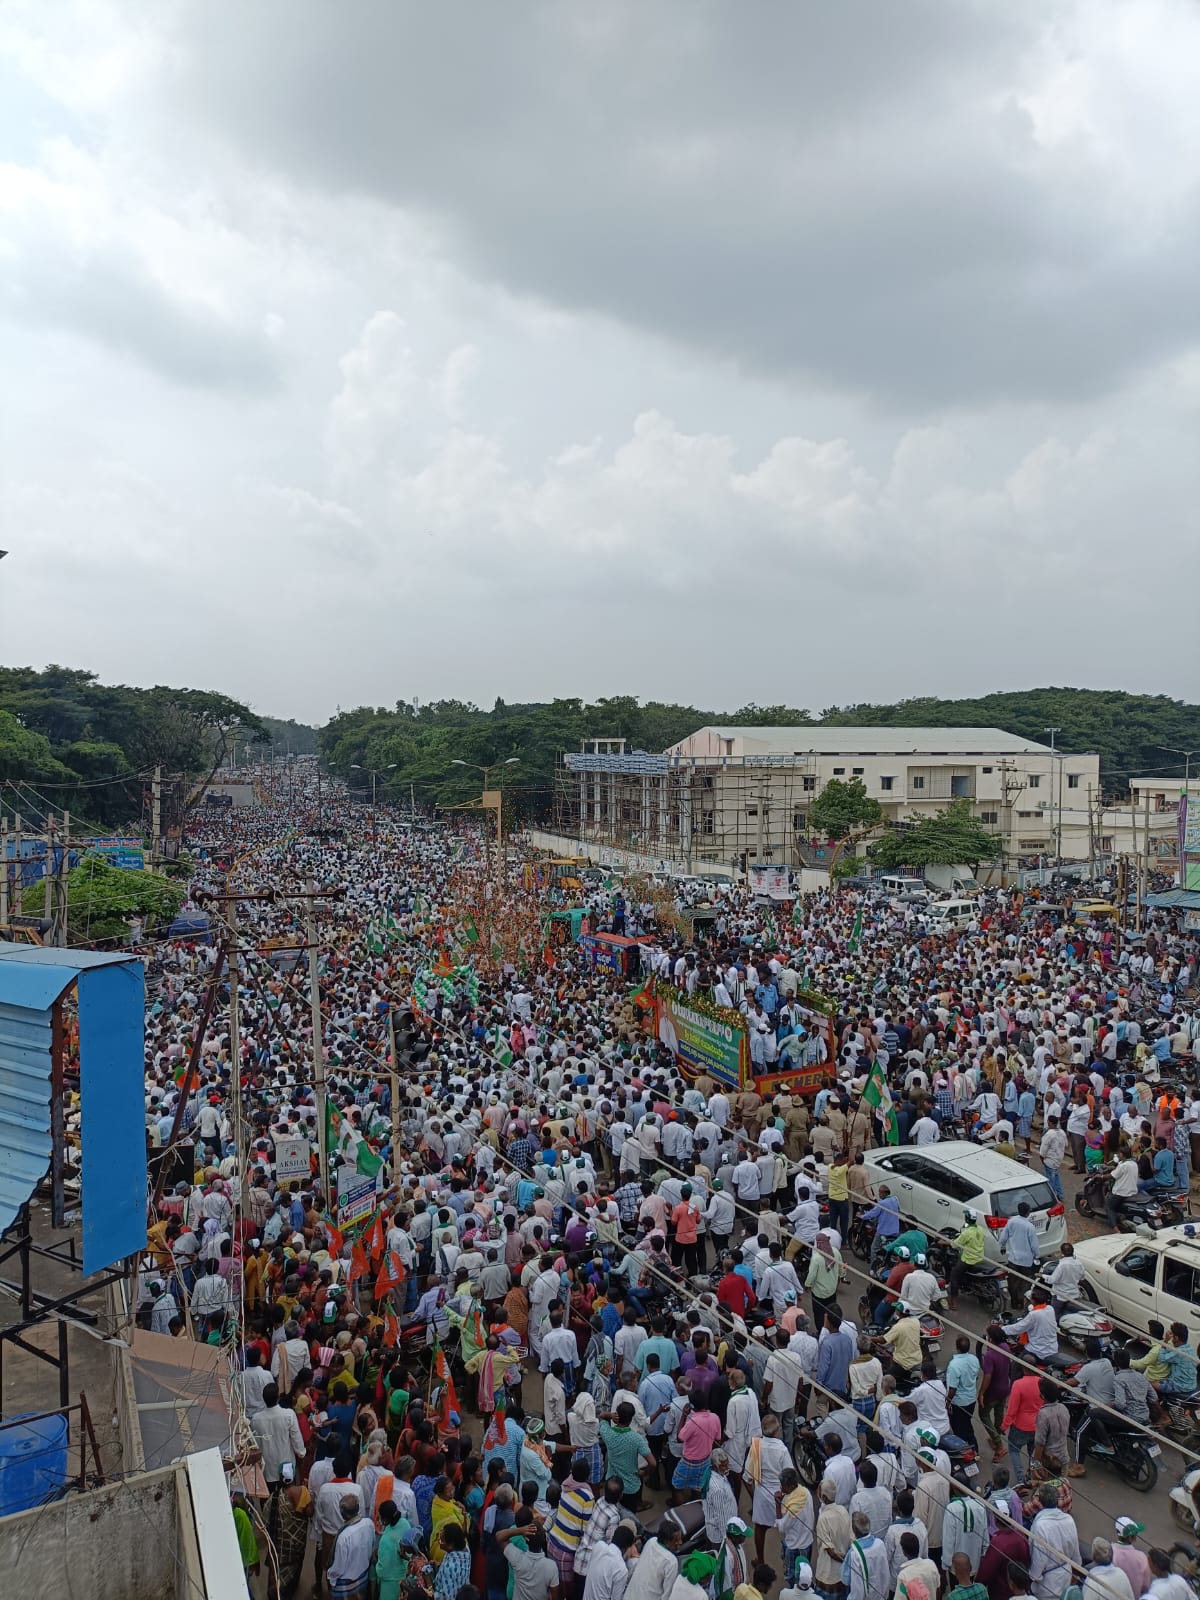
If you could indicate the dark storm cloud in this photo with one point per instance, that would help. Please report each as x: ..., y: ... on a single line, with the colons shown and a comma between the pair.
x: 850, y: 192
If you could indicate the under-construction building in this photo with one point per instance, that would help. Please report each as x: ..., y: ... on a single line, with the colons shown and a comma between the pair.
x: 725, y: 796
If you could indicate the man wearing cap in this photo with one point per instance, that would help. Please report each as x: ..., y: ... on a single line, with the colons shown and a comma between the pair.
x: 1126, y: 1555
x: 733, y: 1560
x: 695, y: 1573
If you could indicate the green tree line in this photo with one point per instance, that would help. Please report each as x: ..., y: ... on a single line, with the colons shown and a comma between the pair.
x: 415, y: 745
x: 89, y: 748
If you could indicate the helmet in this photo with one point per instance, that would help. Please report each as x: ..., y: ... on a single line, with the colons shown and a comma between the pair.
x: 969, y: 1215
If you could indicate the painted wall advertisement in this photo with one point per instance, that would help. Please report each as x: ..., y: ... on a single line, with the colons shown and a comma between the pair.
x: 1189, y: 843
x: 702, y: 1043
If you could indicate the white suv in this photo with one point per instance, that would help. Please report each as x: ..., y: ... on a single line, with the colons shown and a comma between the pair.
x: 1136, y: 1280
x: 936, y: 1183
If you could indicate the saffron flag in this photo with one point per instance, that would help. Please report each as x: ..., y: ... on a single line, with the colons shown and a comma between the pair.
x: 374, y: 1237
x: 391, y: 1275
x: 359, y: 1265
x: 391, y: 1330
x: 449, y: 1399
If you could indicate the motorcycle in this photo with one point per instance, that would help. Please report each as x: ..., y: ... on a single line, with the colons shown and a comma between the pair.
x: 1133, y: 1458
x: 688, y: 1518
x: 1141, y: 1210
x: 988, y: 1283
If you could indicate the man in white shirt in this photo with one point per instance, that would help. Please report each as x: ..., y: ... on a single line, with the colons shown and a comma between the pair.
x: 1050, y: 1569
x: 608, y: 1568
x: 1124, y: 1187
x: 277, y: 1432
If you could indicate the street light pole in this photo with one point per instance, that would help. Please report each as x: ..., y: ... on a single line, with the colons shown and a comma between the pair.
x: 1057, y: 807
x: 511, y: 761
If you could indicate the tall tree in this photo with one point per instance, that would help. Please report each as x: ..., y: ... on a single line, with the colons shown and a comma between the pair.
x: 840, y: 808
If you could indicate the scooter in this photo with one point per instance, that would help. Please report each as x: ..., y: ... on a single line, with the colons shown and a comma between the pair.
x: 1185, y: 1502
x: 1080, y: 1321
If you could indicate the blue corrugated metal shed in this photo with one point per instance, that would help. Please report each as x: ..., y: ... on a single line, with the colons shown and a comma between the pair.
x: 1175, y: 900
x: 31, y: 980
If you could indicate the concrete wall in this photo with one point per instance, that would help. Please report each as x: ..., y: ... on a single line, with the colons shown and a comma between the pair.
x: 118, y: 1543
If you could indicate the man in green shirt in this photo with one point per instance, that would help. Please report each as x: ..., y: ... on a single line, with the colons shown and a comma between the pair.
x: 970, y: 1244
x: 625, y: 1450
x: 962, y: 1587
x: 912, y: 1240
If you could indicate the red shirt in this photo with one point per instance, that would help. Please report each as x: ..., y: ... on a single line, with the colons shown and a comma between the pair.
x: 733, y: 1291
x: 1024, y: 1403
x: 686, y: 1217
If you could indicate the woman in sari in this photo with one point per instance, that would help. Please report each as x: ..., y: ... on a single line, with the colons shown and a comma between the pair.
x: 444, y: 1509
x: 516, y: 1311
x: 392, y: 1551
x: 289, y: 1512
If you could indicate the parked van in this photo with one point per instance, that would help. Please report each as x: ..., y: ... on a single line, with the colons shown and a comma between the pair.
x: 936, y: 1183
x: 946, y: 914
x: 903, y: 888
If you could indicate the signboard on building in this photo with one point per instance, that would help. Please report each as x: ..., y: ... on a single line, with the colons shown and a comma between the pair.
x: 292, y: 1159
x: 701, y: 1042
x: 772, y: 881
x: 127, y: 853
x: 1189, y: 844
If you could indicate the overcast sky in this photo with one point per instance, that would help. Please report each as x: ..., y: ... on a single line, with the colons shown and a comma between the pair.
x: 798, y: 352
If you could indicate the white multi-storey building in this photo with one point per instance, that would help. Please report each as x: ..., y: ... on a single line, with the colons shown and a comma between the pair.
x: 727, y: 795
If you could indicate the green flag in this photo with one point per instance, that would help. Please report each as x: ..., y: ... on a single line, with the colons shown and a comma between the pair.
x: 366, y: 1161
x: 333, y: 1126
x: 502, y: 1052
x: 856, y: 933
x: 876, y: 1093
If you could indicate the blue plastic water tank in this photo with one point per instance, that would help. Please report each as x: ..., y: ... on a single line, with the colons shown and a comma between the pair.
x: 33, y: 1462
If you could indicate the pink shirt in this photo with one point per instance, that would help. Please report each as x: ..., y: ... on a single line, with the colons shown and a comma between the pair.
x: 699, y: 1434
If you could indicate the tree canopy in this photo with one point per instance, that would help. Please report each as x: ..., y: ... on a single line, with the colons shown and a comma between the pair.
x: 93, y: 745
x: 841, y: 807
x: 103, y: 899
x: 953, y: 835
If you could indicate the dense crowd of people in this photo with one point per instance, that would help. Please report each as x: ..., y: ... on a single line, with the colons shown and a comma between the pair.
x: 556, y: 1307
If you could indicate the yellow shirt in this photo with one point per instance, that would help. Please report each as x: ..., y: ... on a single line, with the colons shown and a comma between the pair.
x: 905, y: 1339
x: 838, y: 1187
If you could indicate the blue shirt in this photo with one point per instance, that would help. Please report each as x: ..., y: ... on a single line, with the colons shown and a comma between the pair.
x: 1019, y: 1237
x: 836, y: 1353
x: 885, y: 1214
x: 1164, y: 1167
x: 962, y: 1375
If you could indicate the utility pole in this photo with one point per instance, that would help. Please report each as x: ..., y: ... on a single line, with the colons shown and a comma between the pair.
x: 318, y: 1043
x: 19, y: 876
x: 156, y: 818
x: 63, y: 881
x: 1054, y: 732
x: 235, y: 1053
x: 4, y: 871
x: 394, y: 1081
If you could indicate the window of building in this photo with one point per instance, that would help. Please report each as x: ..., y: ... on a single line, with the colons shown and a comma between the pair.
x: 751, y: 811
x: 1072, y: 780
x: 985, y: 770
x: 1035, y: 780
x: 918, y: 783
x: 799, y: 820
x: 1107, y: 845
x: 991, y: 817
x: 707, y: 821
x: 886, y: 783
x: 809, y: 784
x: 839, y: 772
x: 856, y: 772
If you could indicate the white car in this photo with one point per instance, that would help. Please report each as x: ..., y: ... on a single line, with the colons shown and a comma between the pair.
x: 936, y: 1183
x: 1136, y: 1279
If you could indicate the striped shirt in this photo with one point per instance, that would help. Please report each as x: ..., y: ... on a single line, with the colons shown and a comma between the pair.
x: 572, y: 1515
